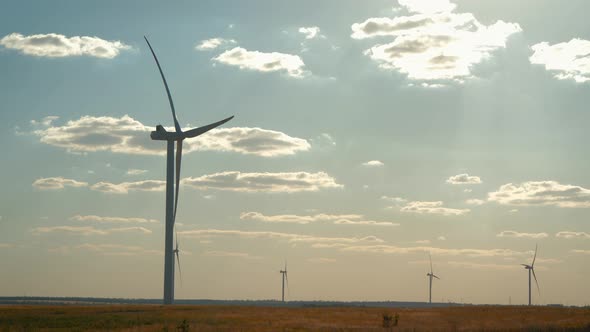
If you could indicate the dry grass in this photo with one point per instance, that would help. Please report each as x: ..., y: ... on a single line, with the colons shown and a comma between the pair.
x: 234, y: 318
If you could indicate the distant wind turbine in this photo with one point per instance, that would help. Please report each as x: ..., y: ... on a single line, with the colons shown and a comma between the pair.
x: 171, y: 196
x: 531, y: 268
x: 284, y: 278
x: 430, y: 276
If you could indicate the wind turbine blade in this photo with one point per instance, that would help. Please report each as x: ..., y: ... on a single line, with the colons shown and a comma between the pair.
x: 176, y: 125
x: 524, y: 265
x: 534, y: 257
x: 201, y: 130
x: 178, y: 160
x: 430, y: 257
x: 436, y: 277
x: 536, y: 282
x: 178, y: 261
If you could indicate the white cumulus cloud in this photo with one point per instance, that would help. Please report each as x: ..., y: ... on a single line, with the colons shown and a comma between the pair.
x: 310, y: 32
x: 240, y: 57
x: 56, y: 183
x: 55, y: 45
x: 433, y: 42
x: 432, y: 208
x: 541, y: 193
x: 213, y: 43
x: 373, y: 163
x: 127, y: 135
x: 522, y: 235
x: 338, y: 219
x: 464, y: 179
x: 567, y: 60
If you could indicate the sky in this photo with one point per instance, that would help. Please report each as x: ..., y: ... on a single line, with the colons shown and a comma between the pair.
x: 367, y: 135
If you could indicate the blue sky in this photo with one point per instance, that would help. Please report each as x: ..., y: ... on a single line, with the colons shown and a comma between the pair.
x: 366, y: 135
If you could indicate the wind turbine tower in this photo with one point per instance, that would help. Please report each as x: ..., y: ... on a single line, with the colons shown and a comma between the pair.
x: 284, y: 278
x: 430, y: 276
x: 171, y: 196
x: 531, y: 269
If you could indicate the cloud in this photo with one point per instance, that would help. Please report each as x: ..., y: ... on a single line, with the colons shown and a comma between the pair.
x: 6, y: 245
x: 321, y: 260
x: 522, y: 235
x: 395, y: 200
x: 311, y: 32
x: 344, y: 219
x: 290, y: 237
x: 127, y: 135
x: 125, y: 187
x: 263, y: 182
x: 87, y: 230
x: 464, y: 179
x: 441, y: 238
x: 573, y: 235
x: 567, y: 60
x: 56, y: 46
x: 57, y: 183
x: 432, y: 208
x: 239, y: 57
x: 391, y: 249
x: 433, y: 42
x: 422, y: 242
x: 481, y: 266
x: 475, y: 201
x: 99, y: 219
x: 373, y: 163
x: 542, y: 193
x: 243, y: 255
x: 133, y: 171
x: 580, y: 251
x: 213, y: 43
x: 117, y: 249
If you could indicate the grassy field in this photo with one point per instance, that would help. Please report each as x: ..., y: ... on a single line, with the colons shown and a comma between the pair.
x: 234, y: 318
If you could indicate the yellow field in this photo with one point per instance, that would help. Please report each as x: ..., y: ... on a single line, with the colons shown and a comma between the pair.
x: 234, y: 318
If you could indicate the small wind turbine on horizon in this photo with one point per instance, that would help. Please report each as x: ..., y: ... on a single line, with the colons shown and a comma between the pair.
x: 284, y: 278
x: 531, y: 268
x: 430, y: 276
x: 171, y: 196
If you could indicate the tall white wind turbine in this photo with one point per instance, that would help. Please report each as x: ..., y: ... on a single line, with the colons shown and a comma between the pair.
x: 430, y: 276
x: 171, y: 194
x: 531, y: 268
x: 284, y: 278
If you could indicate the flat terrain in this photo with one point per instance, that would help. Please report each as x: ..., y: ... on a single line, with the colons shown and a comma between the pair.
x: 236, y: 318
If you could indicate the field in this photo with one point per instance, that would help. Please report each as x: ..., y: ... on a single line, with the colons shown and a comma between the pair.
x: 235, y: 318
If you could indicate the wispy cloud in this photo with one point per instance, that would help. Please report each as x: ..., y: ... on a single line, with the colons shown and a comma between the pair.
x: 240, y: 57
x: 56, y: 183
x: 134, y: 171
x: 214, y: 43
x: 290, y: 237
x: 464, y: 179
x: 117, y: 249
x: 263, y: 182
x: 391, y: 249
x: 522, y: 235
x: 93, y: 218
x: 580, y: 251
x: 311, y: 32
x: 232, y: 254
x: 321, y: 260
x: 125, y: 187
x: 87, y: 230
x: 542, y: 193
x: 475, y: 201
x: 129, y: 136
x: 433, y: 42
x: 573, y: 235
x: 567, y: 60
x: 339, y: 219
x: 432, y: 208
x: 56, y: 46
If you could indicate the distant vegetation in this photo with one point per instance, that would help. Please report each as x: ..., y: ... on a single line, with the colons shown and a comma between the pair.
x: 256, y: 318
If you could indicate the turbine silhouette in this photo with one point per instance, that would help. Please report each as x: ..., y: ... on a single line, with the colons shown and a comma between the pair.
x: 531, y: 268
x: 172, y: 186
x: 430, y: 276
x: 284, y: 278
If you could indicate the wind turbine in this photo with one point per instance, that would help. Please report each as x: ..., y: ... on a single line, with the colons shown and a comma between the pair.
x: 531, y: 268
x: 171, y: 196
x: 284, y: 277
x: 430, y: 276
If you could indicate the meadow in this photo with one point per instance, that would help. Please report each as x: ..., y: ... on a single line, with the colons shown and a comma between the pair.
x: 243, y: 318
